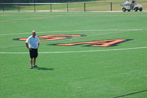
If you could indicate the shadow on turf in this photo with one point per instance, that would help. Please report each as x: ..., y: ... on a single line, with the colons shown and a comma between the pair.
x: 43, y: 68
x: 130, y: 94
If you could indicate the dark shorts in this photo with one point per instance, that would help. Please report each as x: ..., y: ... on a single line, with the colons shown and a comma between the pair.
x: 33, y: 53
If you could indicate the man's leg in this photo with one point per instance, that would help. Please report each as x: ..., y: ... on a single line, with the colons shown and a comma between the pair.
x: 35, y: 56
x: 34, y: 61
x: 31, y: 62
x: 31, y: 57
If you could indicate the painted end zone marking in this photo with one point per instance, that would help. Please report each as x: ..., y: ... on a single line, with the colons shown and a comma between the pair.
x: 75, y: 51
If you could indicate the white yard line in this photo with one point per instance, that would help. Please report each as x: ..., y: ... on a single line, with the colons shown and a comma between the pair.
x: 76, y: 51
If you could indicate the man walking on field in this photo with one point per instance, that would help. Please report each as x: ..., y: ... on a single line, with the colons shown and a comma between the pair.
x: 33, y: 42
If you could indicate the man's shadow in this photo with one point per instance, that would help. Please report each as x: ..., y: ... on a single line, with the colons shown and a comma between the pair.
x: 43, y: 68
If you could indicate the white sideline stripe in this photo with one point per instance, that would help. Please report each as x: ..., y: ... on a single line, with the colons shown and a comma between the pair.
x: 108, y: 29
x: 75, y: 51
x: 79, y: 31
x: 30, y: 32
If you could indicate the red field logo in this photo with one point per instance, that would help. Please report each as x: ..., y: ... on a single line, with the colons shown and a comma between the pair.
x: 97, y: 43
x: 52, y: 37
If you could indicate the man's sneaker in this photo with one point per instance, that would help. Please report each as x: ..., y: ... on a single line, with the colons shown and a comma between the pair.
x: 31, y: 67
x: 35, y: 66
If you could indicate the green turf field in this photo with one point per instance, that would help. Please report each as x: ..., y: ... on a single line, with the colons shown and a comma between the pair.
x: 79, y: 71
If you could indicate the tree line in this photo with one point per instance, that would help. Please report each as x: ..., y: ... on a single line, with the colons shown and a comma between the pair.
x: 40, y: 1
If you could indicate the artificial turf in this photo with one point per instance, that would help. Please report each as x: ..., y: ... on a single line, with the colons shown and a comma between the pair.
x: 78, y: 71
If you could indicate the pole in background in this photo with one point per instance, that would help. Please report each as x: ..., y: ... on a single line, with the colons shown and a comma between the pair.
x: 67, y: 7
x: 3, y: 8
x: 18, y: 8
x: 111, y: 5
x: 34, y: 6
x: 3, y: 5
x: 50, y: 7
x: 84, y: 7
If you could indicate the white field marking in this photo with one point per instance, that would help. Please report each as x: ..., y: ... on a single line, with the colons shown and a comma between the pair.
x: 113, y: 30
x: 76, y: 51
x: 79, y: 31
x: 31, y: 33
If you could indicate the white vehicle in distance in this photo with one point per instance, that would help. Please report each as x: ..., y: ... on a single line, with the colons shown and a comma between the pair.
x: 129, y: 7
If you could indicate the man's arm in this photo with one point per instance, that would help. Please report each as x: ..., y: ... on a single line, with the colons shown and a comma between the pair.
x: 38, y: 42
x: 38, y: 45
x: 28, y: 46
